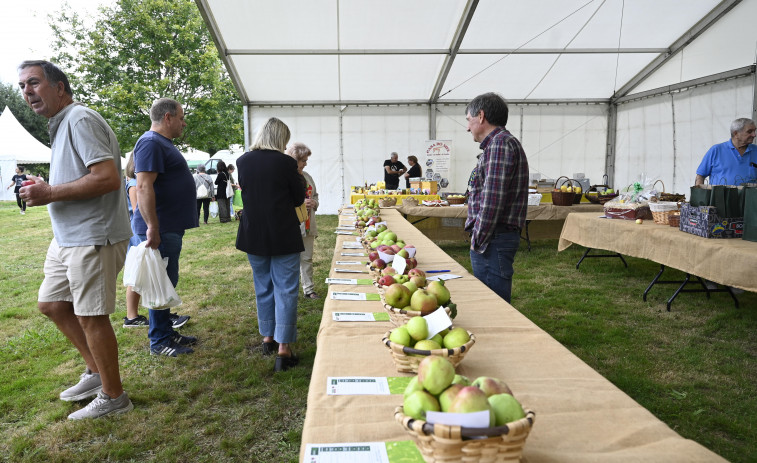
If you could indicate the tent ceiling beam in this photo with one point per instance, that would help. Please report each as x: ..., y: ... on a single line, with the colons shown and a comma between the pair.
x: 448, y: 52
x: 306, y: 104
x: 457, y: 40
x: 719, y: 77
x: 689, y: 36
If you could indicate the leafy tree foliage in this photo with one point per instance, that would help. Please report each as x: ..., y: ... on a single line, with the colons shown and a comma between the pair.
x: 10, y: 96
x: 141, y: 50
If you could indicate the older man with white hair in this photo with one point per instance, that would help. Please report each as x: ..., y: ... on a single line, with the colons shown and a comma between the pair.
x: 734, y: 161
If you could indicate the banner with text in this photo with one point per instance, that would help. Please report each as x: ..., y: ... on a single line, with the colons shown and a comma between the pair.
x: 437, y: 165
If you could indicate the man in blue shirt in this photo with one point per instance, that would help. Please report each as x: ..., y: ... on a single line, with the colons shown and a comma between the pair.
x: 731, y: 162
x: 166, y: 207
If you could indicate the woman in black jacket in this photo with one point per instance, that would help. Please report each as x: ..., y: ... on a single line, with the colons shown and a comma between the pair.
x: 269, y: 233
x: 223, y: 201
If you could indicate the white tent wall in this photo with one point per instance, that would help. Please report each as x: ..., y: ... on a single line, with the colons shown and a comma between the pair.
x: 665, y: 137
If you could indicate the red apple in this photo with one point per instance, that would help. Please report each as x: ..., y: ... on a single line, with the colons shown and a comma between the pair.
x: 382, y: 248
x: 424, y: 302
x: 411, y: 263
x: 386, y: 280
x: 378, y: 263
x: 373, y: 255
x: 416, y: 271
x: 389, y: 271
x: 419, y: 281
x: 396, y: 248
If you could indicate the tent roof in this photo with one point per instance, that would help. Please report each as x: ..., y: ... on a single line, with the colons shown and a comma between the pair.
x: 17, y: 143
x: 447, y: 51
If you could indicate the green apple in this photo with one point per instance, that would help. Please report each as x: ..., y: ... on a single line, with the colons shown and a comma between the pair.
x: 462, y: 380
x: 397, y: 296
x: 491, y: 386
x: 426, y: 344
x: 435, y: 373
x: 417, y: 328
x: 400, y: 336
x: 448, y: 395
x: 471, y: 399
x: 438, y: 289
x: 437, y: 338
x: 456, y: 338
x: 411, y: 286
x: 423, y: 301
x: 412, y: 386
x: 506, y: 409
x: 418, y: 403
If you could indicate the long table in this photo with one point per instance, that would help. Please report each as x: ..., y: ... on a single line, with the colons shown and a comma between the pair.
x: 729, y: 262
x: 580, y: 415
x: 543, y: 211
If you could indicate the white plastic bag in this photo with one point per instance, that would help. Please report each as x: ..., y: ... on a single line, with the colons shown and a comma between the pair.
x: 145, y: 272
x: 214, y: 209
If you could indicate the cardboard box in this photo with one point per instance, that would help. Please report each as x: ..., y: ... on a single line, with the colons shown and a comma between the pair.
x: 704, y: 221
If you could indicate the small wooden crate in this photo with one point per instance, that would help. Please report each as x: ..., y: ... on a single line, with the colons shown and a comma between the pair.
x: 439, y: 443
x: 425, y: 185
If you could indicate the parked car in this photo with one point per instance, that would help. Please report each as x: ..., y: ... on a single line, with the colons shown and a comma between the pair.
x: 227, y: 156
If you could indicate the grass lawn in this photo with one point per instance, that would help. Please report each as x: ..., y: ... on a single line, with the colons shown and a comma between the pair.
x: 694, y: 367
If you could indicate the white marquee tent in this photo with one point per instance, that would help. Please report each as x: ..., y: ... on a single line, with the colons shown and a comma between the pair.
x: 17, y: 146
x: 610, y: 87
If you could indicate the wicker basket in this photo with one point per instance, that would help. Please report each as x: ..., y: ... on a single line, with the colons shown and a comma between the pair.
x: 662, y: 210
x: 439, y: 443
x: 410, y: 201
x: 561, y: 198
x: 401, y: 316
x: 668, y: 197
x: 599, y: 198
x: 455, y: 200
x: 406, y: 359
x: 387, y: 202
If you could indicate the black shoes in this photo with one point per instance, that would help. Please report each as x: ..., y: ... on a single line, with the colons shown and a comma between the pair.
x: 285, y: 363
x: 270, y: 348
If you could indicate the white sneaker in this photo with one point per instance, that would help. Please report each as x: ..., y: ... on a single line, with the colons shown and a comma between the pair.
x: 103, y: 405
x: 23, y: 213
x: 89, y: 385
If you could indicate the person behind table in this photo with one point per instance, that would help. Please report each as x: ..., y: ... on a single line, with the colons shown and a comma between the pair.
x: 730, y: 162
x: 17, y: 180
x: 234, y: 187
x: 498, y: 198
x: 91, y: 230
x: 166, y: 208
x: 301, y: 153
x: 269, y: 232
x: 393, y: 168
x: 414, y: 172
x: 222, y: 179
x: 202, y: 178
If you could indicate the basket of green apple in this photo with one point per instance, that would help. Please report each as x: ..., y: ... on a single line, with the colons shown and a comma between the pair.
x: 414, y: 297
x: 438, y: 389
x: 410, y: 343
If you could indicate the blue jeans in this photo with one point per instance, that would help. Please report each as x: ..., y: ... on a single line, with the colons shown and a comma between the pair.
x: 161, y: 328
x: 495, y: 266
x: 277, y: 284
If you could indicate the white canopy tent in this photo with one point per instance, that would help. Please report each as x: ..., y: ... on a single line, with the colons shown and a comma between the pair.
x: 17, y: 146
x: 596, y: 86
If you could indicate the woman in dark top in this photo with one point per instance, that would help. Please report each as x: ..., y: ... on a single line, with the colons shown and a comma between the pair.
x: 223, y: 201
x: 16, y: 181
x: 269, y: 232
x: 414, y: 172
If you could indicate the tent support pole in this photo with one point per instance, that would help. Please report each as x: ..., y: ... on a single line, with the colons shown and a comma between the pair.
x: 754, y: 96
x: 432, y: 122
x: 247, y: 126
x: 612, y: 129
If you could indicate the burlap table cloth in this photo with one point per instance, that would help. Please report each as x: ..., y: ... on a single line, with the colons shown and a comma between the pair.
x: 580, y: 415
x: 540, y: 212
x: 726, y: 261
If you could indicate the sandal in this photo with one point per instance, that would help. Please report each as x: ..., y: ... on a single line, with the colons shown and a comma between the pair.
x: 312, y: 296
x: 285, y: 363
x: 270, y: 348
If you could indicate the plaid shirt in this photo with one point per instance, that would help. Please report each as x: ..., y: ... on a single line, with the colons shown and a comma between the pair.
x: 499, y: 188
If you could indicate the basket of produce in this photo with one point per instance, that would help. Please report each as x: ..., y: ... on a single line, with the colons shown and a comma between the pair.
x: 403, y: 303
x: 502, y: 433
x: 661, y: 211
x: 564, y: 194
x: 456, y: 199
x: 401, y: 316
x: 408, y: 344
x: 669, y: 197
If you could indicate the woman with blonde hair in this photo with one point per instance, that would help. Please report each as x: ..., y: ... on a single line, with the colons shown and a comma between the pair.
x: 269, y: 232
x: 301, y: 153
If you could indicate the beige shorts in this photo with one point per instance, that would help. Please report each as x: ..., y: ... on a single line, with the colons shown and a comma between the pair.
x: 83, y: 275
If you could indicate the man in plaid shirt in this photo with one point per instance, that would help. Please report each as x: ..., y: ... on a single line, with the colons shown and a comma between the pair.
x: 498, y: 194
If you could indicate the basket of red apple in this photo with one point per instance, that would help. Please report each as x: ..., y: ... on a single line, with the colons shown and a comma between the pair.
x: 452, y: 419
x: 410, y: 343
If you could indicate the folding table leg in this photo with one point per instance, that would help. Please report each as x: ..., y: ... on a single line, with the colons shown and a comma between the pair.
x: 586, y: 254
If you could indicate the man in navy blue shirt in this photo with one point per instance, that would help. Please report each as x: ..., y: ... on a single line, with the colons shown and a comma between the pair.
x: 166, y: 207
x: 731, y: 162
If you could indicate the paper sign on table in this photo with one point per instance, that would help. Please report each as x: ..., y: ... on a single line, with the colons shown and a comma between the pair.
x: 349, y: 281
x: 351, y: 245
x: 350, y: 262
x: 399, y: 264
x: 345, y: 227
x: 347, y: 296
x: 360, y: 316
x: 443, y: 277
x: 364, y: 452
x: 353, y: 254
x: 386, y: 257
x: 345, y: 232
x: 367, y: 385
x: 348, y: 270
x: 472, y: 420
x: 437, y: 321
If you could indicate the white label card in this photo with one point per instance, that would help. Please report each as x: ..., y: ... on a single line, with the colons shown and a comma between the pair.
x: 349, y: 281
x: 356, y: 452
x: 473, y: 420
x: 348, y: 270
x: 351, y: 245
x: 399, y: 264
x: 345, y: 232
x: 353, y: 317
x: 357, y: 385
x: 353, y: 254
x: 350, y: 262
x: 437, y: 321
x: 443, y: 277
x: 347, y: 296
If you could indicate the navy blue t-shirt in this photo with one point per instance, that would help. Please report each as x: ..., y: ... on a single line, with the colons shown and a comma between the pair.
x: 175, y: 195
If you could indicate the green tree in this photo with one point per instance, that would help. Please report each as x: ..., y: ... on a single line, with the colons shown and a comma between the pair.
x: 141, y: 50
x: 10, y: 96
